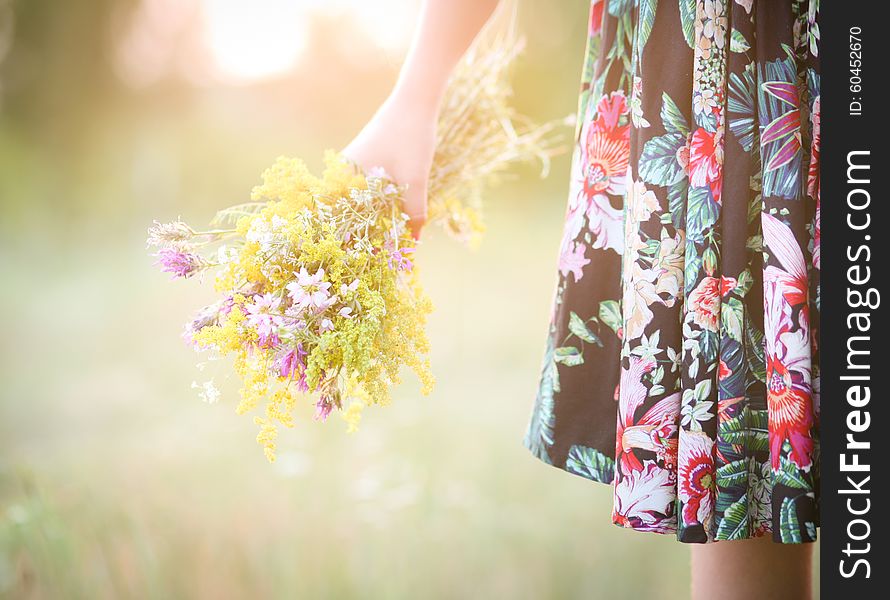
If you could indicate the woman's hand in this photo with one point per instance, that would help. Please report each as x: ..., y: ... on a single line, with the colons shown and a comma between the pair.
x: 401, y: 138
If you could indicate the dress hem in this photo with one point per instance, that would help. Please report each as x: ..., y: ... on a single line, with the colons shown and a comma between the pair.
x: 666, y: 531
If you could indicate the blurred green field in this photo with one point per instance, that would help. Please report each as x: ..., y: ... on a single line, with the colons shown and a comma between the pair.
x: 116, y: 481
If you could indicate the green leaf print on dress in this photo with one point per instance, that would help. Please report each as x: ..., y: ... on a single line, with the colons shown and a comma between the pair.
x: 539, y: 436
x: 590, y: 463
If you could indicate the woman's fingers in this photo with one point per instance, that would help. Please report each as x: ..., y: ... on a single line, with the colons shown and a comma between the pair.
x: 415, y: 206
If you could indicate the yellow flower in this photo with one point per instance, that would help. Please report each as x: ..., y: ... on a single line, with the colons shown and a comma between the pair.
x: 352, y: 415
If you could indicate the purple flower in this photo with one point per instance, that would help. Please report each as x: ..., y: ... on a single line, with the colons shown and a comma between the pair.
x: 292, y: 362
x: 181, y: 264
x: 323, y: 408
x: 261, y: 316
x: 378, y: 172
x: 209, y: 315
x: 398, y: 260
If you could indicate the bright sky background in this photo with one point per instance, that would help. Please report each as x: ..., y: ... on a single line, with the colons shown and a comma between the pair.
x: 245, y: 41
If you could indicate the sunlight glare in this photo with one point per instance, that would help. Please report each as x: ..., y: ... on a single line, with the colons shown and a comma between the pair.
x: 249, y: 41
x: 254, y: 40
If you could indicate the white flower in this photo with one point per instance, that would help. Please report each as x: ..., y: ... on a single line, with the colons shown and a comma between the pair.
x: 696, y: 412
x: 644, y: 498
x: 704, y: 101
x: 641, y: 202
x: 345, y: 289
x: 648, y: 348
x: 226, y: 254
x: 209, y: 392
x: 310, y: 290
x: 675, y: 357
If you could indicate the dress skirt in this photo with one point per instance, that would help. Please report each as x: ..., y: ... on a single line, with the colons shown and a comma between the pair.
x: 681, y: 365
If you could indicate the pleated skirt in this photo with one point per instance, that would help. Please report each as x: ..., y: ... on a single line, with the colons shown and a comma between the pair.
x: 682, y: 361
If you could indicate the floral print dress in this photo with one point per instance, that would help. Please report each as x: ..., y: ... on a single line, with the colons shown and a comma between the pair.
x: 682, y: 357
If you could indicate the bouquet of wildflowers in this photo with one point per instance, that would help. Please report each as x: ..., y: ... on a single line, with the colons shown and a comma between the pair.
x: 319, y: 295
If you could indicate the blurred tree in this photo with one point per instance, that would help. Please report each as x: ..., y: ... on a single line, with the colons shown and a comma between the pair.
x: 57, y: 67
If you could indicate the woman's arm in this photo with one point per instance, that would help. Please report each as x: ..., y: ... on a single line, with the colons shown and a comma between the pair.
x: 401, y: 136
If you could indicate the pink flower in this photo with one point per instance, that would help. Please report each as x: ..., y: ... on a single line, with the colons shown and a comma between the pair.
x: 631, y: 394
x: 261, y: 316
x: 788, y: 346
x: 398, y: 259
x: 682, y: 155
x: 696, y: 478
x: 644, y: 499
x: 655, y: 431
x: 309, y: 290
x: 572, y: 260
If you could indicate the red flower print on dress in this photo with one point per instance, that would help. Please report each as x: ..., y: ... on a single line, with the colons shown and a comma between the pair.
x: 789, y: 401
x: 602, y: 170
x: 706, y: 161
x: 704, y: 303
x: 610, y: 111
x: 596, y: 17
x: 788, y: 346
x: 606, y: 147
x: 696, y: 478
